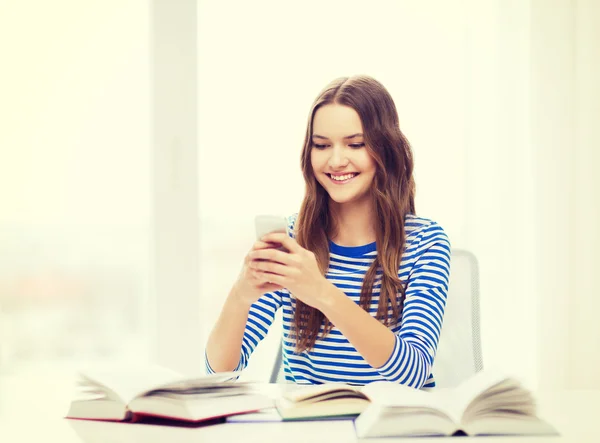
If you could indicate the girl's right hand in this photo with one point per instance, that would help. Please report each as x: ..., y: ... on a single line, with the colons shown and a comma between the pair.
x: 248, y: 288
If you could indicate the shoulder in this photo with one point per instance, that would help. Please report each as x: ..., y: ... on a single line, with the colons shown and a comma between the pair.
x: 423, y: 233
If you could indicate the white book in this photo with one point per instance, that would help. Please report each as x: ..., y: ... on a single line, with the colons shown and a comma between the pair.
x: 487, y: 404
x: 137, y: 393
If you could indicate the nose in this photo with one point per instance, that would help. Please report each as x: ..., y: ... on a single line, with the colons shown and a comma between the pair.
x: 338, y: 158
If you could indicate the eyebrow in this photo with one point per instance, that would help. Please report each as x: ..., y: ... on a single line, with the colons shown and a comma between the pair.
x: 345, y: 138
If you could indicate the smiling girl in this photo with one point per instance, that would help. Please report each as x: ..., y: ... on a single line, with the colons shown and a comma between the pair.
x: 363, y: 282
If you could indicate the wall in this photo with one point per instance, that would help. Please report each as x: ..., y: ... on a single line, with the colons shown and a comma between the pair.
x: 459, y: 73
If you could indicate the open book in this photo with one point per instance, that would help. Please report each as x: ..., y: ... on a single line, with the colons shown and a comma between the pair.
x: 325, y: 401
x: 136, y: 393
x: 487, y: 404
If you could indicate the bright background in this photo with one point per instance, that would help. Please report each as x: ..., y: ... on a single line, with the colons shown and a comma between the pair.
x: 139, y: 139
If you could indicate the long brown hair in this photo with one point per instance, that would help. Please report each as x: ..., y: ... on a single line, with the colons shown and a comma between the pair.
x: 393, y: 194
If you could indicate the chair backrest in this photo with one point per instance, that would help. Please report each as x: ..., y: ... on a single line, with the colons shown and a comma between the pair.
x: 458, y: 355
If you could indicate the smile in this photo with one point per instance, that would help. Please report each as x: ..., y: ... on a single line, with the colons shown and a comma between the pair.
x: 343, y: 178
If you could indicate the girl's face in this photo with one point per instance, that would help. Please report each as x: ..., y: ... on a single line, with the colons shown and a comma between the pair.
x: 339, y: 158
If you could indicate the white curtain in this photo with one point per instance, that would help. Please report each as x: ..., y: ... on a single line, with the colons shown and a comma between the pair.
x: 565, y: 97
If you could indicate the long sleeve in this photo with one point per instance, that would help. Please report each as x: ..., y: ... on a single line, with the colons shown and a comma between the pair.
x: 422, y: 317
x: 260, y: 317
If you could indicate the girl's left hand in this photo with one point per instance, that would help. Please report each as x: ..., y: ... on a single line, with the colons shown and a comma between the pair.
x: 296, y: 270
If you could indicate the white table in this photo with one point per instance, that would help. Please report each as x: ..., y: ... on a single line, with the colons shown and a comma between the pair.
x: 576, y: 414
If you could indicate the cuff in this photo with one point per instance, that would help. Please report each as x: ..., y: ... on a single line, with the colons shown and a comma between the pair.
x: 390, y: 366
x: 210, y: 370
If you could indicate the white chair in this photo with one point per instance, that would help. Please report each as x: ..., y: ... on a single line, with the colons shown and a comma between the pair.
x: 458, y: 355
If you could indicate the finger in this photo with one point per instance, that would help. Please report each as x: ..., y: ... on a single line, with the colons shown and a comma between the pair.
x: 269, y: 278
x: 258, y: 245
x: 256, y: 276
x: 269, y: 266
x: 261, y: 278
x: 283, y: 239
x: 273, y: 255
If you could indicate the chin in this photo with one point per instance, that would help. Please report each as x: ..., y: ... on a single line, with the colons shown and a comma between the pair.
x: 344, y: 199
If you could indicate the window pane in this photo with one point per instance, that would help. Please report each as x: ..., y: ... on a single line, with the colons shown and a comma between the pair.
x: 74, y: 186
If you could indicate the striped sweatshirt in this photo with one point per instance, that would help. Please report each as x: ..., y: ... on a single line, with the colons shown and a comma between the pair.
x: 424, y: 271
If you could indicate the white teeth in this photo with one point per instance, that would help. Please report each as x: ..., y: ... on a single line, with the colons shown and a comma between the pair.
x: 341, y: 178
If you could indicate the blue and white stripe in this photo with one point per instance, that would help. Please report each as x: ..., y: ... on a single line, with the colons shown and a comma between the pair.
x: 425, y: 272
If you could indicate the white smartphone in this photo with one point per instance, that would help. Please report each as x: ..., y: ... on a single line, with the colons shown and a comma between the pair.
x: 265, y: 224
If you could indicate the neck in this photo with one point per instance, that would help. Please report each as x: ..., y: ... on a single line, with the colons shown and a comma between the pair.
x: 354, y: 223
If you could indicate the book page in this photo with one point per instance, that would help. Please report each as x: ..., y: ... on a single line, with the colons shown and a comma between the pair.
x: 395, y: 395
x: 127, y: 381
x: 302, y: 393
x: 464, y: 394
x: 220, y: 381
x: 389, y: 421
x: 194, y: 409
x: 130, y: 381
x: 516, y: 425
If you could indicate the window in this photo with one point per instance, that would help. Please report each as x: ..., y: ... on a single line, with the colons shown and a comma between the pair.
x: 74, y: 185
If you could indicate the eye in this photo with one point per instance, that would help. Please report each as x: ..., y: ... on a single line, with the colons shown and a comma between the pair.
x: 318, y: 146
x: 357, y: 145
